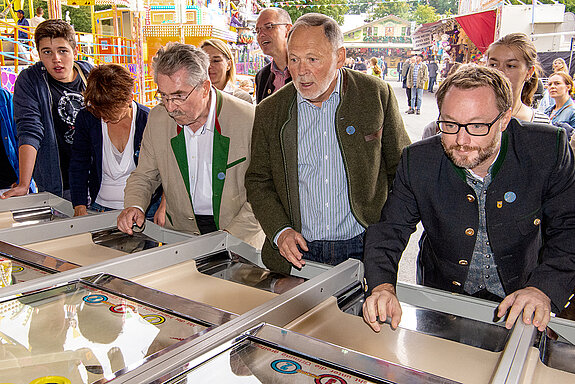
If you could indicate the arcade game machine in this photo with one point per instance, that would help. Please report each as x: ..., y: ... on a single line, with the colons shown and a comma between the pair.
x: 108, y: 318
x: 32, y: 209
x: 30, y: 252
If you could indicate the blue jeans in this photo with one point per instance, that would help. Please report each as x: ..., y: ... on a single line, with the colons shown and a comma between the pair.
x: 100, y: 208
x: 333, y: 252
x: 431, y: 83
x: 416, y: 96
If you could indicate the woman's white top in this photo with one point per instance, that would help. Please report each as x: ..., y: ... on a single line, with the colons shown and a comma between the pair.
x: 116, y: 167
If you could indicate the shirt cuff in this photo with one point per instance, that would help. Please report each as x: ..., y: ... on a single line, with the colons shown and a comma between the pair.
x: 278, y: 235
x: 140, y: 208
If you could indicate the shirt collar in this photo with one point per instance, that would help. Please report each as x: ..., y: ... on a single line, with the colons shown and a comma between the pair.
x: 209, y: 124
x: 336, y: 91
x: 274, y: 68
x: 476, y: 176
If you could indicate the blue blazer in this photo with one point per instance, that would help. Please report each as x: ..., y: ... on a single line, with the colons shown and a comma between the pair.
x: 86, y: 158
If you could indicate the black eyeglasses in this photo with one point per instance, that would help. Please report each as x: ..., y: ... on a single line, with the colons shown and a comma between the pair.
x: 474, y: 129
x: 176, y: 99
x: 267, y: 27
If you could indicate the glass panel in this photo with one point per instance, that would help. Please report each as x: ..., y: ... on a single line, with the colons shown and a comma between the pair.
x: 81, y: 334
x: 251, y: 362
x: 23, y: 272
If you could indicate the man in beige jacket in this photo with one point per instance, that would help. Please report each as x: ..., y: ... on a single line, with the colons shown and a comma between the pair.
x: 197, y: 146
x: 417, y: 76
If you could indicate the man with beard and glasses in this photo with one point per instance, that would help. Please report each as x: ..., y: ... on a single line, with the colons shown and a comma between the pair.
x: 197, y: 146
x: 494, y: 197
x: 325, y: 150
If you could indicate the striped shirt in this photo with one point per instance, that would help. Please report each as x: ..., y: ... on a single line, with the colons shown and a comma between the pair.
x: 323, y: 189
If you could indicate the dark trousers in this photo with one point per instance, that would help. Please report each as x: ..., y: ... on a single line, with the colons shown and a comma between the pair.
x: 408, y: 93
x: 431, y: 83
x: 333, y: 252
x: 206, y: 224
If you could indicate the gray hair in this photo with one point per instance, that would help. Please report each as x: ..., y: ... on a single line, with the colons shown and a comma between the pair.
x: 174, y: 56
x: 330, y: 27
x: 282, y: 15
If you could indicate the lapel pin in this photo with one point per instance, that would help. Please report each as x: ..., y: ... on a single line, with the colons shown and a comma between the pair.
x: 499, y: 204
x: 510, y: 197
x: 221, y: 175
x: 350, y: 130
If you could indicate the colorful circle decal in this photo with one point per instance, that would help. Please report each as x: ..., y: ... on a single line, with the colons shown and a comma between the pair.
x: 95, y: 299
x: 154, y: 319
x: 285, y: 366
x: 329, y: 379
x: 122, y: 308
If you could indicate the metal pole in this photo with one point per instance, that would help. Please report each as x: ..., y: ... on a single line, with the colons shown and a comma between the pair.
x: 570, y: 54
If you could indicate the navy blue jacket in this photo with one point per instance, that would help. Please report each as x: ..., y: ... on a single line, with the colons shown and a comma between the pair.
x: 529, y: 207
x: 86, y: 158
x: 35, y: 125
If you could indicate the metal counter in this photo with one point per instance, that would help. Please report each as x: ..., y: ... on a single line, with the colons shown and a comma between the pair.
x: 33, y: 209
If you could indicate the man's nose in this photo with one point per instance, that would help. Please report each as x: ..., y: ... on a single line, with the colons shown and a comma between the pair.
x: 462, y: 137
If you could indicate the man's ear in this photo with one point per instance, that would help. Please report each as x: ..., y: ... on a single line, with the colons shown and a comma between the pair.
x: 340, y: 57
x: 505, y: 119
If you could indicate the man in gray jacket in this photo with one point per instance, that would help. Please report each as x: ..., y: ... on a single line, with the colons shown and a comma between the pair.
x: 416, y: 79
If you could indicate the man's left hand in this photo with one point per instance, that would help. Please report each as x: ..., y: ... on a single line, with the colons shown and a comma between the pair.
x: 531, y: 301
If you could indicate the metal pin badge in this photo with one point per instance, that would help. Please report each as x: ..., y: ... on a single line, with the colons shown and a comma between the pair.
x: 499, y: 204
x: 350, y: 130
x: 221, y: 175
x: 510, y: 197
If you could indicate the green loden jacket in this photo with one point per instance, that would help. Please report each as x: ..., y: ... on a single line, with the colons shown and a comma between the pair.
x: 371, y: 136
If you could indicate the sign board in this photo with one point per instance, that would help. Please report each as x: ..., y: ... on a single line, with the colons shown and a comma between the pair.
x: 422, y: 40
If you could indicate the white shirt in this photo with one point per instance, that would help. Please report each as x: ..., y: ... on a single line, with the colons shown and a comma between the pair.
x: 34, y: 21
x: 199, y: 151
x: 116, y: 167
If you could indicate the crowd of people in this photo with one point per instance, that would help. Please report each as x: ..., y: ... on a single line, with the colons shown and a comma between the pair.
x: 321, y: 168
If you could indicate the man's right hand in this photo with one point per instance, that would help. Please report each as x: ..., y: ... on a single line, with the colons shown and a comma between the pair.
x: 16, y: 190
x: 383, y: 302
x: 80, y: 210
x: 288, y: 243
x: 128, y: 217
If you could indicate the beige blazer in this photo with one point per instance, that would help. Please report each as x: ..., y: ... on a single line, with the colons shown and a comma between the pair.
x: 163, y: 160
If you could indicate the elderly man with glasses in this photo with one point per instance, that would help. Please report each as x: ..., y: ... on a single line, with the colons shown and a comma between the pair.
x: 494, y: 196
x: 272, y: 28
x: 197, y: 146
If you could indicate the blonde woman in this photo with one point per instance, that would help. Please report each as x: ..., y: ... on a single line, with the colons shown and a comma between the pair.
x: 222, y: 69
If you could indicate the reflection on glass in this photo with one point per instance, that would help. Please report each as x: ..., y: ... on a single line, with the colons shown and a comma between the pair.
x: 81, y: 334
x: 251, y: 362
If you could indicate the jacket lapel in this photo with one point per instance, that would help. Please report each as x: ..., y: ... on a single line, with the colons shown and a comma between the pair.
x: 179, y: 148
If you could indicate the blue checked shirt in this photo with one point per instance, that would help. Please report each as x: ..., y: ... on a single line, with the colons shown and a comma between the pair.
x: 323, y: 190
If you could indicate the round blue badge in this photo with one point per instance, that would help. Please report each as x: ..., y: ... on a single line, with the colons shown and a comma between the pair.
x: 350, y: 130
x: 510, y: 197
x: 221, y: 175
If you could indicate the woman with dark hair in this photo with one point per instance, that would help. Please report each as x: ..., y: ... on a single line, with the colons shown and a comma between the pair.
x: 107, y: 140
x: 516, y: 56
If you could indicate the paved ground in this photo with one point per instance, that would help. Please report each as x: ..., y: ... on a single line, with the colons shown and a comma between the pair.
x: 414, y: 125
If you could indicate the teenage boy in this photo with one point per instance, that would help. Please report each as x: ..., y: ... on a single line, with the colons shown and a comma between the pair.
x: 47, y: 98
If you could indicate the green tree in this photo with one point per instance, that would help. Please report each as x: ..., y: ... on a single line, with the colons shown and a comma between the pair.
x: 399, y: 9
x: 445, y: 7
x: 325, y: 7
x: 425, y: 14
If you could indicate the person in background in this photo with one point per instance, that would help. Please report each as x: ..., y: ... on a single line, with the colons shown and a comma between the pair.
x: 47, y: 98
x: 373, y: 68
x: 36, y: 20
x: 559, y: 65
x: 404, y: 72
x: 223, y: 68
x: 360, y: 65
x: 493, y: 194
x: 383, y: 66
x: 323, y: 154
x: 416, y: 79
x: 9, y: 150
x: 516, y: 56
x: 433, y: 68
x: 107, y: 140
x: 24, y: 27
x: 560, y: 87
x: 272, y: 27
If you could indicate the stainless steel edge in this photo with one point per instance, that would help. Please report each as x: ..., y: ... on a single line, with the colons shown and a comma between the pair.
x: 443, y: 301
x: 36, y: 200
x: 278, y: 311
x: 563, y: 327
x: 35, y: 258
x: 514, y: 355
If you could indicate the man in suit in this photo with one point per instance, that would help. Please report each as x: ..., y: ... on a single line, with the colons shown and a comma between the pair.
x: 197, y: 146
x: 325, y: 150
x: 272, y: 28
x: 494, y: 197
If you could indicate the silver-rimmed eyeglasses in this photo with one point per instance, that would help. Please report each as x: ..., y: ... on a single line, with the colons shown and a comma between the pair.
x: 177, y: 99
x: 474, y: 129
x: 267, y: 27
